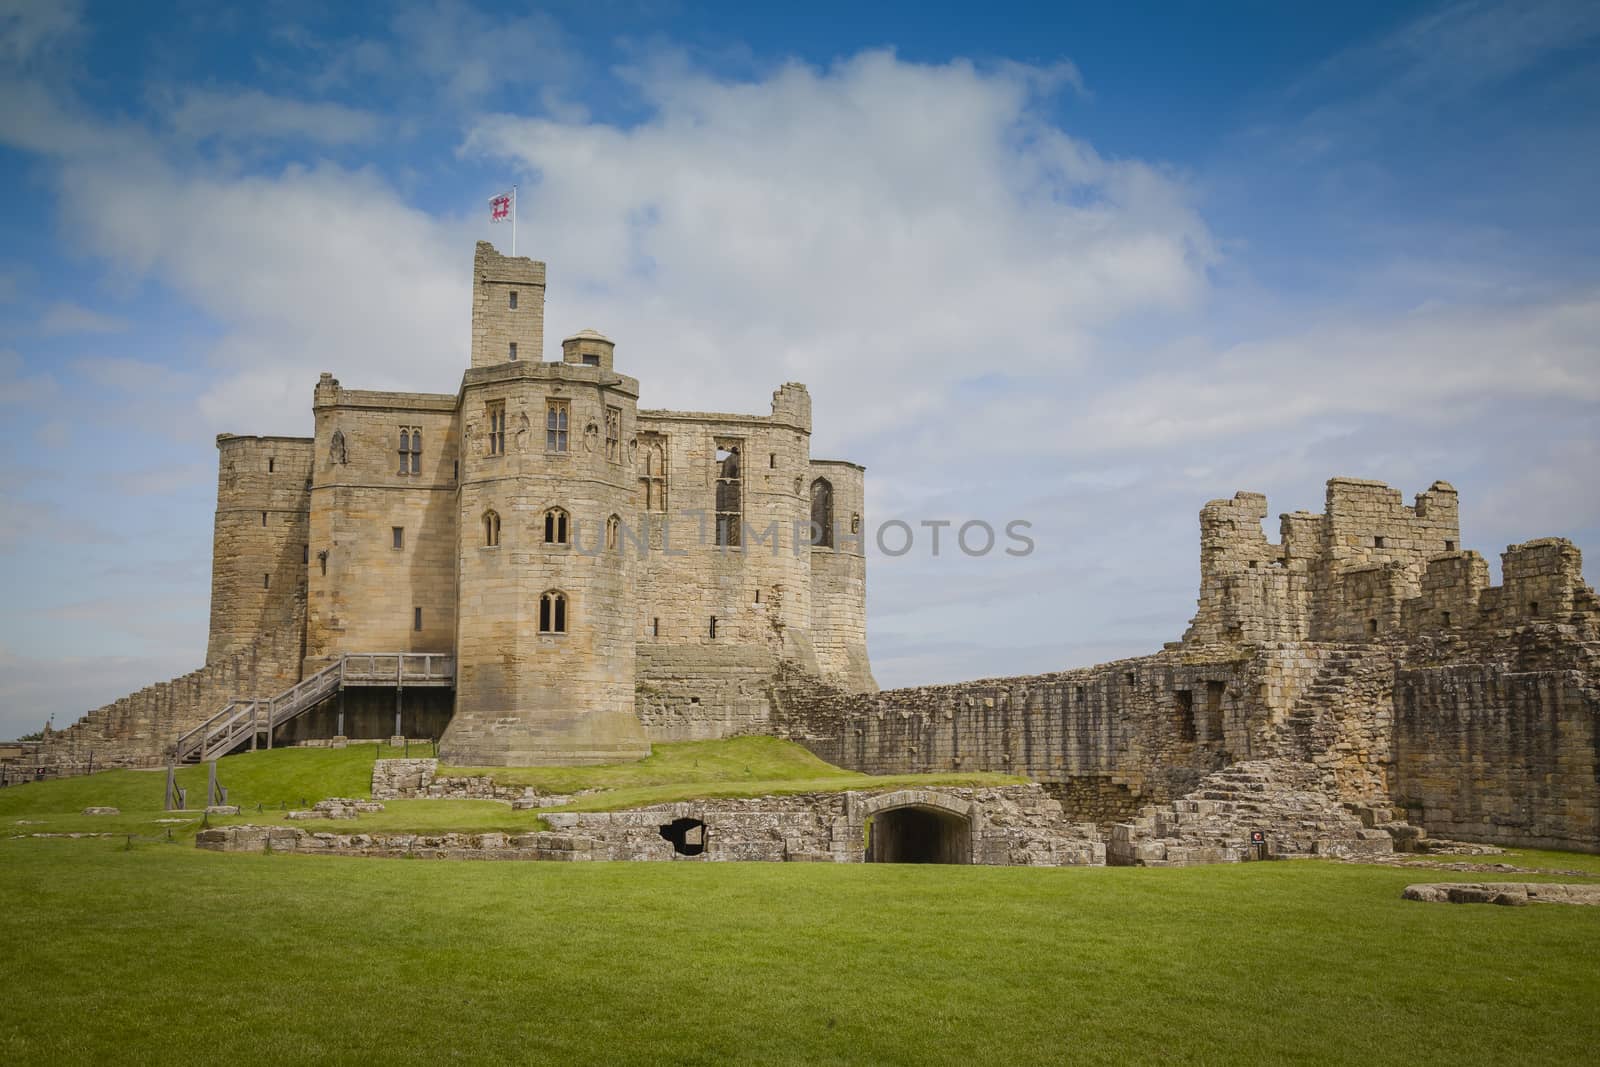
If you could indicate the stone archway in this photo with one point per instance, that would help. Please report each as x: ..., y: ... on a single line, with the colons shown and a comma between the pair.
x: 918, y: 826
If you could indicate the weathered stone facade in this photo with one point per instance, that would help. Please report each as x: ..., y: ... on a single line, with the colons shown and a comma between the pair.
x: 604, y: 575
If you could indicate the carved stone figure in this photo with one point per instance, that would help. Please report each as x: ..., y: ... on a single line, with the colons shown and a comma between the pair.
x: 524, y: 431
x: 336, y: 449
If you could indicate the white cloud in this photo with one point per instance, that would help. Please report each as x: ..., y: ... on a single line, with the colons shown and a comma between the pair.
x: 66, y: 317
x: 882, y: 229
x: 31, y: 28
x: 251, y: 115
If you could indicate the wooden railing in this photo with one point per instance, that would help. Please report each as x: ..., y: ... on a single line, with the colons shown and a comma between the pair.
x: 242, y: 719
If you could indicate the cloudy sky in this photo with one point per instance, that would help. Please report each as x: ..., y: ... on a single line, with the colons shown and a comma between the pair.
x: 1089, y: 269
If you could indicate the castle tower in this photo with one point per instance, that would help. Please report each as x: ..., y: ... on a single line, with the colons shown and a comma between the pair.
x: 545, y: 638
x: 259, y: 551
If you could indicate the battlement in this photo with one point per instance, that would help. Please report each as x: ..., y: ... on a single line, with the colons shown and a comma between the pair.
x: 1367, y: 567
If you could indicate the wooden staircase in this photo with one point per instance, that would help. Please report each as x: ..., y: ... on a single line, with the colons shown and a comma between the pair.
x: 247, y: 718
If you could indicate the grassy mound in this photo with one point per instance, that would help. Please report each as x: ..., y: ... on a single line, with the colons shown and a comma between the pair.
x: 266, y: 784
x: 113, y: 955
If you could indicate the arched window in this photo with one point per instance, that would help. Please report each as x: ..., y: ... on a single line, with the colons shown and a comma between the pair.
x: 553, y: 613
x: 491, y: 529
x: 613, y: 529
x: 555, y: 527
x: 822, y: 512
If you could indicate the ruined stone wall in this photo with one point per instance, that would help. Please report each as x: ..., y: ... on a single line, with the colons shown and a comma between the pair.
x: 1500, y: 742
x: 259, y: 545
x: 364, y: 592
x: 1108, y: 738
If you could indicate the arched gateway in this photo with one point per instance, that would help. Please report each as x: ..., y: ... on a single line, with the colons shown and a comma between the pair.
x: 916, y: 826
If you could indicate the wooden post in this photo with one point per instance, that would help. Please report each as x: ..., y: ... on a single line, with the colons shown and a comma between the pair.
x: 211, y: 783
x: 340, y: 731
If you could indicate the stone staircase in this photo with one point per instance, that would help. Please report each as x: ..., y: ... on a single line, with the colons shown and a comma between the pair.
x: 1341, y: 722
x: 1281, y: 799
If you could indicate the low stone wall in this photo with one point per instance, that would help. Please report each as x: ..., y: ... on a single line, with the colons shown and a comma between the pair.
x: 1009, y: 825
x: 397, y: 779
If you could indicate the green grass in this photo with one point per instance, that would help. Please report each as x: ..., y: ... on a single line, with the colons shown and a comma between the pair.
x: 265, y: 784
x: 734, y: 767
x: 167, y: 954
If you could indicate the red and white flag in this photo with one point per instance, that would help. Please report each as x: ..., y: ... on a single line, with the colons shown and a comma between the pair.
x: 502, y: 207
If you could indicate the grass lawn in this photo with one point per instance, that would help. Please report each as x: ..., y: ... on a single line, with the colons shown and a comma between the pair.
x: 164, y: 953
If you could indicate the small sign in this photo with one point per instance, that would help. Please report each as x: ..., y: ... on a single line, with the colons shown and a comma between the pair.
x: 1258, y: 837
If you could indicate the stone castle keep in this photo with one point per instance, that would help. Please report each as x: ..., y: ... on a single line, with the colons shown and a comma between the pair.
x: 535, y: 570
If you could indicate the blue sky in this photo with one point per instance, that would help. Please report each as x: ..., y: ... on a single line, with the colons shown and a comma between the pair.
x: 1087, y: 265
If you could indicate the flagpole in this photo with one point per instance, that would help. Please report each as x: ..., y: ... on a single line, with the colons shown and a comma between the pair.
x: 513, y: 221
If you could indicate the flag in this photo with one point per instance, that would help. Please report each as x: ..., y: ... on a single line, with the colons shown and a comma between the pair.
x: 501, y: 207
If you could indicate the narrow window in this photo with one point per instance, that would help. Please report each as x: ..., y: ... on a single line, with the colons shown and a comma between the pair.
x: 556, y: 415
x: 713, y: 626
x: 305, y: 553
x: 1449, y: 546
x: 1129, y: 677
x: 497, y: 427
x: 730, y: 493
x: 266, y: 581
x: 1214, y: 694
x: 553, y: 613
x: 1080, y: 694
x: 271, y: 464
x: 1445, y: 617
x: 614, y: 434
x: 591, y: 359
x: 399, y: 533
x: 416, y: 619
x: 455, y: 470
x: 1377, y: 542
x: 263, y: 518
x: 512, y: 297
x: 555, y: 527
x: 772, y: 460
x: 613, y: 528
x: 1185, y: 715
x: 405, y: 448
x: 416, y: 450
x: 1372, y: 627
x: 655, y: 627
x: 322, y: 558
x: 491, y: 529
x: 822, y: 512
x: 653, y: 478
x: 513, y: 351
x: 758, y: 596
x: 1533, y: 608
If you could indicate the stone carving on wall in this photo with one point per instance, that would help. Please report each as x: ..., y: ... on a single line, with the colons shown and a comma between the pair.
x: 337, y: 453
x: 469, y: 439
x: 591, y: 437
x: 524, y: 431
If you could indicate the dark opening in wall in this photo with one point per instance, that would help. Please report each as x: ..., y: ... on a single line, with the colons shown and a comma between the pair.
x: 322, y: 558
x: 591, y: 360
x: 655, y: 627
x: 772, y: 460
x: 263, y: 518
x: 271, y: 464
x: 688, y: 836
x: 758, y: 596
x: 1533, y: 607
x: 416, y: 618
x: 1377, y: 542
x: 305, y: 553
x: 266, y: 581
x: 919, y: 835
x: 713, y: 626
x: 1445, y: 618
x: 1372, y: 627
x: 1214, y: 693
x: 1449, y: 546
x: 1081, y: 694
x: 399, y: 534
x: 1128, y: 677
x: 513, y: 352
x: 1185, y: 708
x: 512, y: 295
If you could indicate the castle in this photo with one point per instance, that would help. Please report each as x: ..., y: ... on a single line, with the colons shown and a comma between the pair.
x: 535, y: 570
